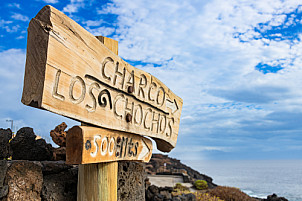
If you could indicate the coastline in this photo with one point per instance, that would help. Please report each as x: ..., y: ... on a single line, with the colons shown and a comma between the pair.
x: 257, y: 178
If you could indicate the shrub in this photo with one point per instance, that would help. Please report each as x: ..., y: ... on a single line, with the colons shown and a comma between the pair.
x: 180, y: 187
x: 206, y: 197
x: 230, y: 194
x: 201, y: 184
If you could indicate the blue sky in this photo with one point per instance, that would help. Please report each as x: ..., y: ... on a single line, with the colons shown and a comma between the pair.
x: 236, y: 64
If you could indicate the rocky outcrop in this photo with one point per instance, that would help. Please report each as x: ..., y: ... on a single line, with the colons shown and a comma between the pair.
x: 58, y: 135
x: 59, y: 154
x: 5, y: 149
x: 274, y: 197
x: 162, y: 164
x: 154, y: 193
x: 3, y: 186
x: 131, y: 181
x: 24, y: 181
x: 55, y: 180
x: 25, y: 146
x: 59, y: 181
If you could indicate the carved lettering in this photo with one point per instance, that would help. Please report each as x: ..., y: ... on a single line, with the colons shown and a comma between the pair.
x: 111, y: 146
x: 106, y: 61
x: 155, y: 121
x: 135, y: 148
x: 118, y: 98
x: 152, y: 86
x: 146, y: 119
x: 160, y: 101
x: 163, y: 125
x: 142, y: 85
x: 138, y: 115
x: 93, y: 107
x: 104, y: 146
x: 129, y: 109
x: 131, y: 81
x: 75, y: 80
x: 121, y: 74
x: 171, y: 122
x: 55, y: 93
x: 103, y: 100
x: 97, y: 137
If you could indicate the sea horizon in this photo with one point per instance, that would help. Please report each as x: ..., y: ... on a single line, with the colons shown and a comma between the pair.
x: 257, y: 178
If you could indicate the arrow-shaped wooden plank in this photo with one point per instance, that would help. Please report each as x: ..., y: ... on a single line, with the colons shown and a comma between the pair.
x: 71, y: 73
x: 172, y: 105
x: 86, y: 144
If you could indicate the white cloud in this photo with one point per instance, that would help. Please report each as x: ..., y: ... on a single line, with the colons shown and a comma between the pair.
x: 8, y: 26
x: 14, y: 5
x: 70, y: 8
x: 94, y: 23
x: 194, y: 43
x: 101, y: 31
x: 18, y: 16
x: 51, y: 1
x: 74, y: 6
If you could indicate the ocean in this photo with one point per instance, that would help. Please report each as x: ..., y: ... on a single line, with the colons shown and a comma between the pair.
x: 257, y: 178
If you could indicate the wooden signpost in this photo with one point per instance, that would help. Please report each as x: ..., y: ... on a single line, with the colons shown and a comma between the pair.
x: 75, y: 74
x: 71, y: 73
x: 94, y: 145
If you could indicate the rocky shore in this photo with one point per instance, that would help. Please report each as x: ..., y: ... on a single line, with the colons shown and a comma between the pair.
x: 162, y: 164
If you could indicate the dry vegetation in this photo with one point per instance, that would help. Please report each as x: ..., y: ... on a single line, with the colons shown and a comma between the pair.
x: 221, y: 193
x: 230, y: 194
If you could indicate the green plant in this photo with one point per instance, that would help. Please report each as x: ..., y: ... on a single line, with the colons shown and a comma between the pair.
x: 180, y: 187
x: 201, y: 184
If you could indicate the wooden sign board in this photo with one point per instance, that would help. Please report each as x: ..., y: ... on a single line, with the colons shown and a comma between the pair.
x: 70, y: 72
x: 85, y: 144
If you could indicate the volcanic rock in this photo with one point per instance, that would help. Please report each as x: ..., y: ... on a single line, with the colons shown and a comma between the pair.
x: 59, y: 181
x: 5, y: 149
x: 24, y: 180
x: 162, y: 164
x: 58, y: 135
x: 26, y: 147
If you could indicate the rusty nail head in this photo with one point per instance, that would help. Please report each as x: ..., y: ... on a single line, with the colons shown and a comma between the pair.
x: 118, y: 140
x: 128, y: 117
x: 87, y: 145
x: 130, y: 89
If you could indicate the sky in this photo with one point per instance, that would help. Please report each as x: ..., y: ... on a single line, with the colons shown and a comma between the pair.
x: 236, y: 64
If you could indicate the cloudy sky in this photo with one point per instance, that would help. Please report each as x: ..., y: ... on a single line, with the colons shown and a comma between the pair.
x: 236, y: 64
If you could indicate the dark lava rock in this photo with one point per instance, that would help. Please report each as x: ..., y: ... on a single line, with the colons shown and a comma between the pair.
x: 59, y: 154
x: 3, y: 187
x: 131, y: 185
x: 162, y: 164
x: 5, y: 149
x: 154, y: 189
x: 54, y: 167
x: 190, y: 197
x: 154, y: 193
x: 24, y: 180
x: 274, y: 197
x: 61, y: 185
x: 26, y: 147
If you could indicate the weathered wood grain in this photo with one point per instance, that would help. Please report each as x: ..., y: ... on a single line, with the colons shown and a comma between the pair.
x: 86, y: 144
x: 97, y: 182
x: 71, y: 73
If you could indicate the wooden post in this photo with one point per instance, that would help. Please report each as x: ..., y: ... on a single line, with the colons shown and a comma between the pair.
x: 98, y: 182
